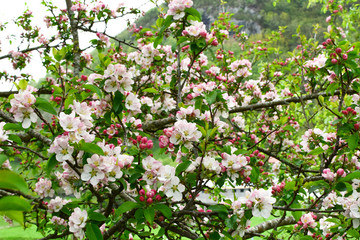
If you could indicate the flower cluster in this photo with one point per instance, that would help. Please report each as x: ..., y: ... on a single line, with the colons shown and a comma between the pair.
x: 21, y: 107
x: 77, y: 222
x: 177, y: 7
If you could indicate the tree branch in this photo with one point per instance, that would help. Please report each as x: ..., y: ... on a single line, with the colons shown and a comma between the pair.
x: 289, y: 220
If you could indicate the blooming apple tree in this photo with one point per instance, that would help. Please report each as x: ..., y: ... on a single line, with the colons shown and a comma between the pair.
x: 122, y: 148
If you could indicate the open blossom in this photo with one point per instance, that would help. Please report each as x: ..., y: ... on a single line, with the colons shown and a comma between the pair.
x: 308, y: 220
x: 173, y: 189
x: 55, y: 205
x: 327, y: 174
x: 62, y: 149
x: 77, y: 222
x: 21, y: 107
x: 69, y: 122
x: 184, y: 132
x: 317, y: 62
x: 44, y: 188
x: 261, y: 202
x: 177, y: 8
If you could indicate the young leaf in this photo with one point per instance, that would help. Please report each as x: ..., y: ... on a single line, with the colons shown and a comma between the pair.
x: 93, y: 89
x: 45, y: 105
x: 14, y: 203
x: 51, y: 163
x: 11, y: 180
x: 182, y: 167
x: 13, y: 126
x: 3, y: 158
x: 165, y: 210
x: 353, y: 141
x: 125, y: 207
x: 90, y: 148
x: 193, y: 12
x: 93, y: 232
x: 149, y: 214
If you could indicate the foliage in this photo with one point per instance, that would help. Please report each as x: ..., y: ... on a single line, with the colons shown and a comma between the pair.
x: 131, y: 149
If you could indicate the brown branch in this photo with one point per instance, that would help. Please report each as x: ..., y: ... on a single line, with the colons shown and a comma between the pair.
x: 75, y: 35
x: 24, y: 148
x: 286, y: 101
x: 56, y: 236
x: 289, y: 220
x: 30, y: 132
x: 153, y: 126
x: 40, y: 91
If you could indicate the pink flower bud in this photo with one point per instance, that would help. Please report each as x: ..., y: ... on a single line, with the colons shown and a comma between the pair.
x: 149, y: 144
x: 158, y: 198
x: 345, y: 56
x: 334, y: 61
x: 338, y: 50
x: 142, y: 145
x: 149, y: 200
x: 142, y: 192
x: 340, y: 172
x: 141, y: 198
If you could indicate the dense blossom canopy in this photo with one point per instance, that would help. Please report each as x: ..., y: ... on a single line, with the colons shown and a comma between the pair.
x: 143, y: 141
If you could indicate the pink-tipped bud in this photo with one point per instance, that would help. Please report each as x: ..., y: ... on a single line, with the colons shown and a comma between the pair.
x: 334, y: 61
x: 150, y: 194
x: 142, y: 192
x: 340, y: 172
x: 149, y: 200
x: 141, y: 198
x: 142, y: 145
x: 345, y: 56
x: 338, y: 50
x: 158, y: 198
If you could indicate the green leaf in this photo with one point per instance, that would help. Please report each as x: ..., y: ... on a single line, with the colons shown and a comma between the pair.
x: 3, y: 158
x: 202, y: 130
x: 14, y: 203
x: 17, y: 216
x: 118, y: 102
x: 353, y: 141
x: 340, y: 186
x: 316, y: 151
x: 353, y: 233
x: 230, y: 222
x: 45, y: 105
x: 193, y: 12
x: 214, y: 236
x: 297, y: 215
x: 11, y: 180
x: 151, y: 90
x: 125, y: 207
x: 90, y: 148
x: 158, y: 40
x: 93, y: 89
x: 165, y: 210
x: 149, y: 214
x: 97, y: 216
x: 218, y: 208
x: 13, y: 126
x: 15, y: 138
x: 182, y: 167
x: 22, y: 84
x: 93, y: 232
x: 211, y: 97
x: 306, y: 238
x: 351, y: 176
x: 51, y: 163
